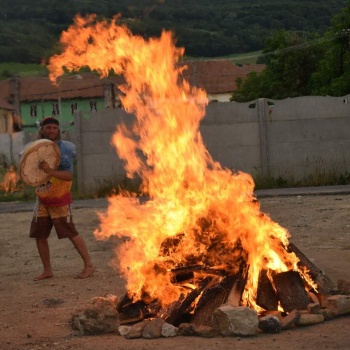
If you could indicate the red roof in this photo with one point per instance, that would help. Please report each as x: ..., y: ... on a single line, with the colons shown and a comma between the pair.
x: 214, y: 76
x: 217, y: 76
x: 5, y: 105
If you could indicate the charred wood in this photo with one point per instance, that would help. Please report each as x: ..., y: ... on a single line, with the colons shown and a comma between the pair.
x: 325, y: 285
x: 235, y: 296
x: 212, y: 298
x: 266, y: 295
x: 130, y: 311
x: 291, y: 291
x: 173, y: 313
x: 185, y: 273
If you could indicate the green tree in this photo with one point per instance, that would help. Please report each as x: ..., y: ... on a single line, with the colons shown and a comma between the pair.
x: 290, y: 61
x: 332, y: 76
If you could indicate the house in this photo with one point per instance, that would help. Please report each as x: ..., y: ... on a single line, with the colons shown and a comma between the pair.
x: 7, y: 120
x: 33, y: 98
x: 218, y: 77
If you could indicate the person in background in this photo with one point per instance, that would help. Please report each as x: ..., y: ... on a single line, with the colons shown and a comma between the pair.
x: 53, y: 204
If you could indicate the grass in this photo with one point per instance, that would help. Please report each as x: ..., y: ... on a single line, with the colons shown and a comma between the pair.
x: 245, y: 58
x: 113, y: 186
x: 10, y: 69
x: 318, y: 178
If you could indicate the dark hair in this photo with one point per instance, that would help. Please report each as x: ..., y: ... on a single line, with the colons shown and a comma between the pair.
x: 46, y: 121
x: 49, y: 120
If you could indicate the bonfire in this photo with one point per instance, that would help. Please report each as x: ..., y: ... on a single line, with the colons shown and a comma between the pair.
x: 201, y: 234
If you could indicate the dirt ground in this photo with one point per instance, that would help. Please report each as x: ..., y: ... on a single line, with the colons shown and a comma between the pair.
x: 36, y: 315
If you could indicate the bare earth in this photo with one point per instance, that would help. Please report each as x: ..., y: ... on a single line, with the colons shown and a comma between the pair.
x: 36, y: 315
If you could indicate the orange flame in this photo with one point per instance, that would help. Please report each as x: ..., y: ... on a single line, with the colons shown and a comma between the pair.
x: 10, y: 181
x: 191, y: 195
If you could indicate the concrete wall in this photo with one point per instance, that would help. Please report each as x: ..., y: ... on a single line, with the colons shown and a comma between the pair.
x: 291, y: 138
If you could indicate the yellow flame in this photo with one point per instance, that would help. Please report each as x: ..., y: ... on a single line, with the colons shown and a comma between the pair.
x: 206, y: 213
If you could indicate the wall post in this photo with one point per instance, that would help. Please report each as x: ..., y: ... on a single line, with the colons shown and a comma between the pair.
x: 263, y: 136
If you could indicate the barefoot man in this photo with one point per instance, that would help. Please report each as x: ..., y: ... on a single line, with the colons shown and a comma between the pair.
x: 53, y: 205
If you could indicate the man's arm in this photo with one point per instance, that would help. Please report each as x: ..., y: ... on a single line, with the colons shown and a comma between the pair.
x: 58, y: 174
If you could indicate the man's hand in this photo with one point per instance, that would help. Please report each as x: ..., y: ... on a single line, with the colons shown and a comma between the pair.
x: 44, y: 166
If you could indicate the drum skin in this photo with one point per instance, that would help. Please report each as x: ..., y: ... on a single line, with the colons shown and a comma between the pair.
x: 34, y: 153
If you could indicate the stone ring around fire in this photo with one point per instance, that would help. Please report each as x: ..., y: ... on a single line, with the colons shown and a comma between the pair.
x: 33, y: 154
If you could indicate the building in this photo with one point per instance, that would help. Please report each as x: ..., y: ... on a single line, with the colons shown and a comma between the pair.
x: 33, y: 98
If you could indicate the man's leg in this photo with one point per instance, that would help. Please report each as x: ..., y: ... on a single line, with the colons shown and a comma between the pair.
x: 80, y: 245
x: 44, y: 252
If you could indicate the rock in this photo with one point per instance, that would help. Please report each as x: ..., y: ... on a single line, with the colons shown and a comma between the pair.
x: 231, y: 321
x: 339, y: 304
x: 308, y: 319
x: 153, y: 329
x: 101, y: 316
x: 168, y: 330
x: 270, y: 324
x: 123, y: 330
x: 186, y: 329
x: 136, y: 330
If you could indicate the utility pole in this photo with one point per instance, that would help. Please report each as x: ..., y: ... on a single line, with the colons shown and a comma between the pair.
x: 347, y: 32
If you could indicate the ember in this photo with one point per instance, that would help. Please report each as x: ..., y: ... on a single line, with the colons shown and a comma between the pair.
x: 201, y: 235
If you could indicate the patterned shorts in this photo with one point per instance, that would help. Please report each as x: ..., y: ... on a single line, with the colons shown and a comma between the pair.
x: 47, y: 217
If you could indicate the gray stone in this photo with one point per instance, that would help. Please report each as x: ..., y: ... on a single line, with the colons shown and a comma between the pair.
x: 168, y: 330
x: 270, y: 324
x: 231, y: 321
x: 339, y: 304
x: 136, y: 330
x: 186, y: 329
x: 101, y: 316
x: 123, y: 330
x: 153, y: 329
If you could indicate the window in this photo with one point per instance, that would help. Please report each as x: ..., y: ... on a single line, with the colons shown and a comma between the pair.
x: 33, y: 111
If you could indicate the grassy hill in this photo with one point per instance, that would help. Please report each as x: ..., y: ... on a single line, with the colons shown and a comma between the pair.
x: 29, y: 31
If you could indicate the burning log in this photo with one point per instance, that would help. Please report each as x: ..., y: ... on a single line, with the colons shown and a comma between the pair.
x: 266, y: 295
x: 130, y: 312
x: 325, y: 285
x: 291, y: 291
x: 235, y: 296
x: 186, y: 273
x: 173, y: 313
x: 212, y: 298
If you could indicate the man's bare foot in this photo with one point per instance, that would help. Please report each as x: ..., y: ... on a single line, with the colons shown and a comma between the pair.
x: 87, y: 272
x: 43, y: 276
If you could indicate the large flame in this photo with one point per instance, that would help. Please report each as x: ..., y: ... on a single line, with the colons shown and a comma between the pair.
x: 208, y: 209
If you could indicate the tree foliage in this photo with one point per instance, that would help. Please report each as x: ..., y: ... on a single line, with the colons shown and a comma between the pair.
x: 295, y: 67
x: 332, y: 76
x: 205, y: 28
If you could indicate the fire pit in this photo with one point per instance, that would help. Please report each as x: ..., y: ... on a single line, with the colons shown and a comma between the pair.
x: 199, y: 252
